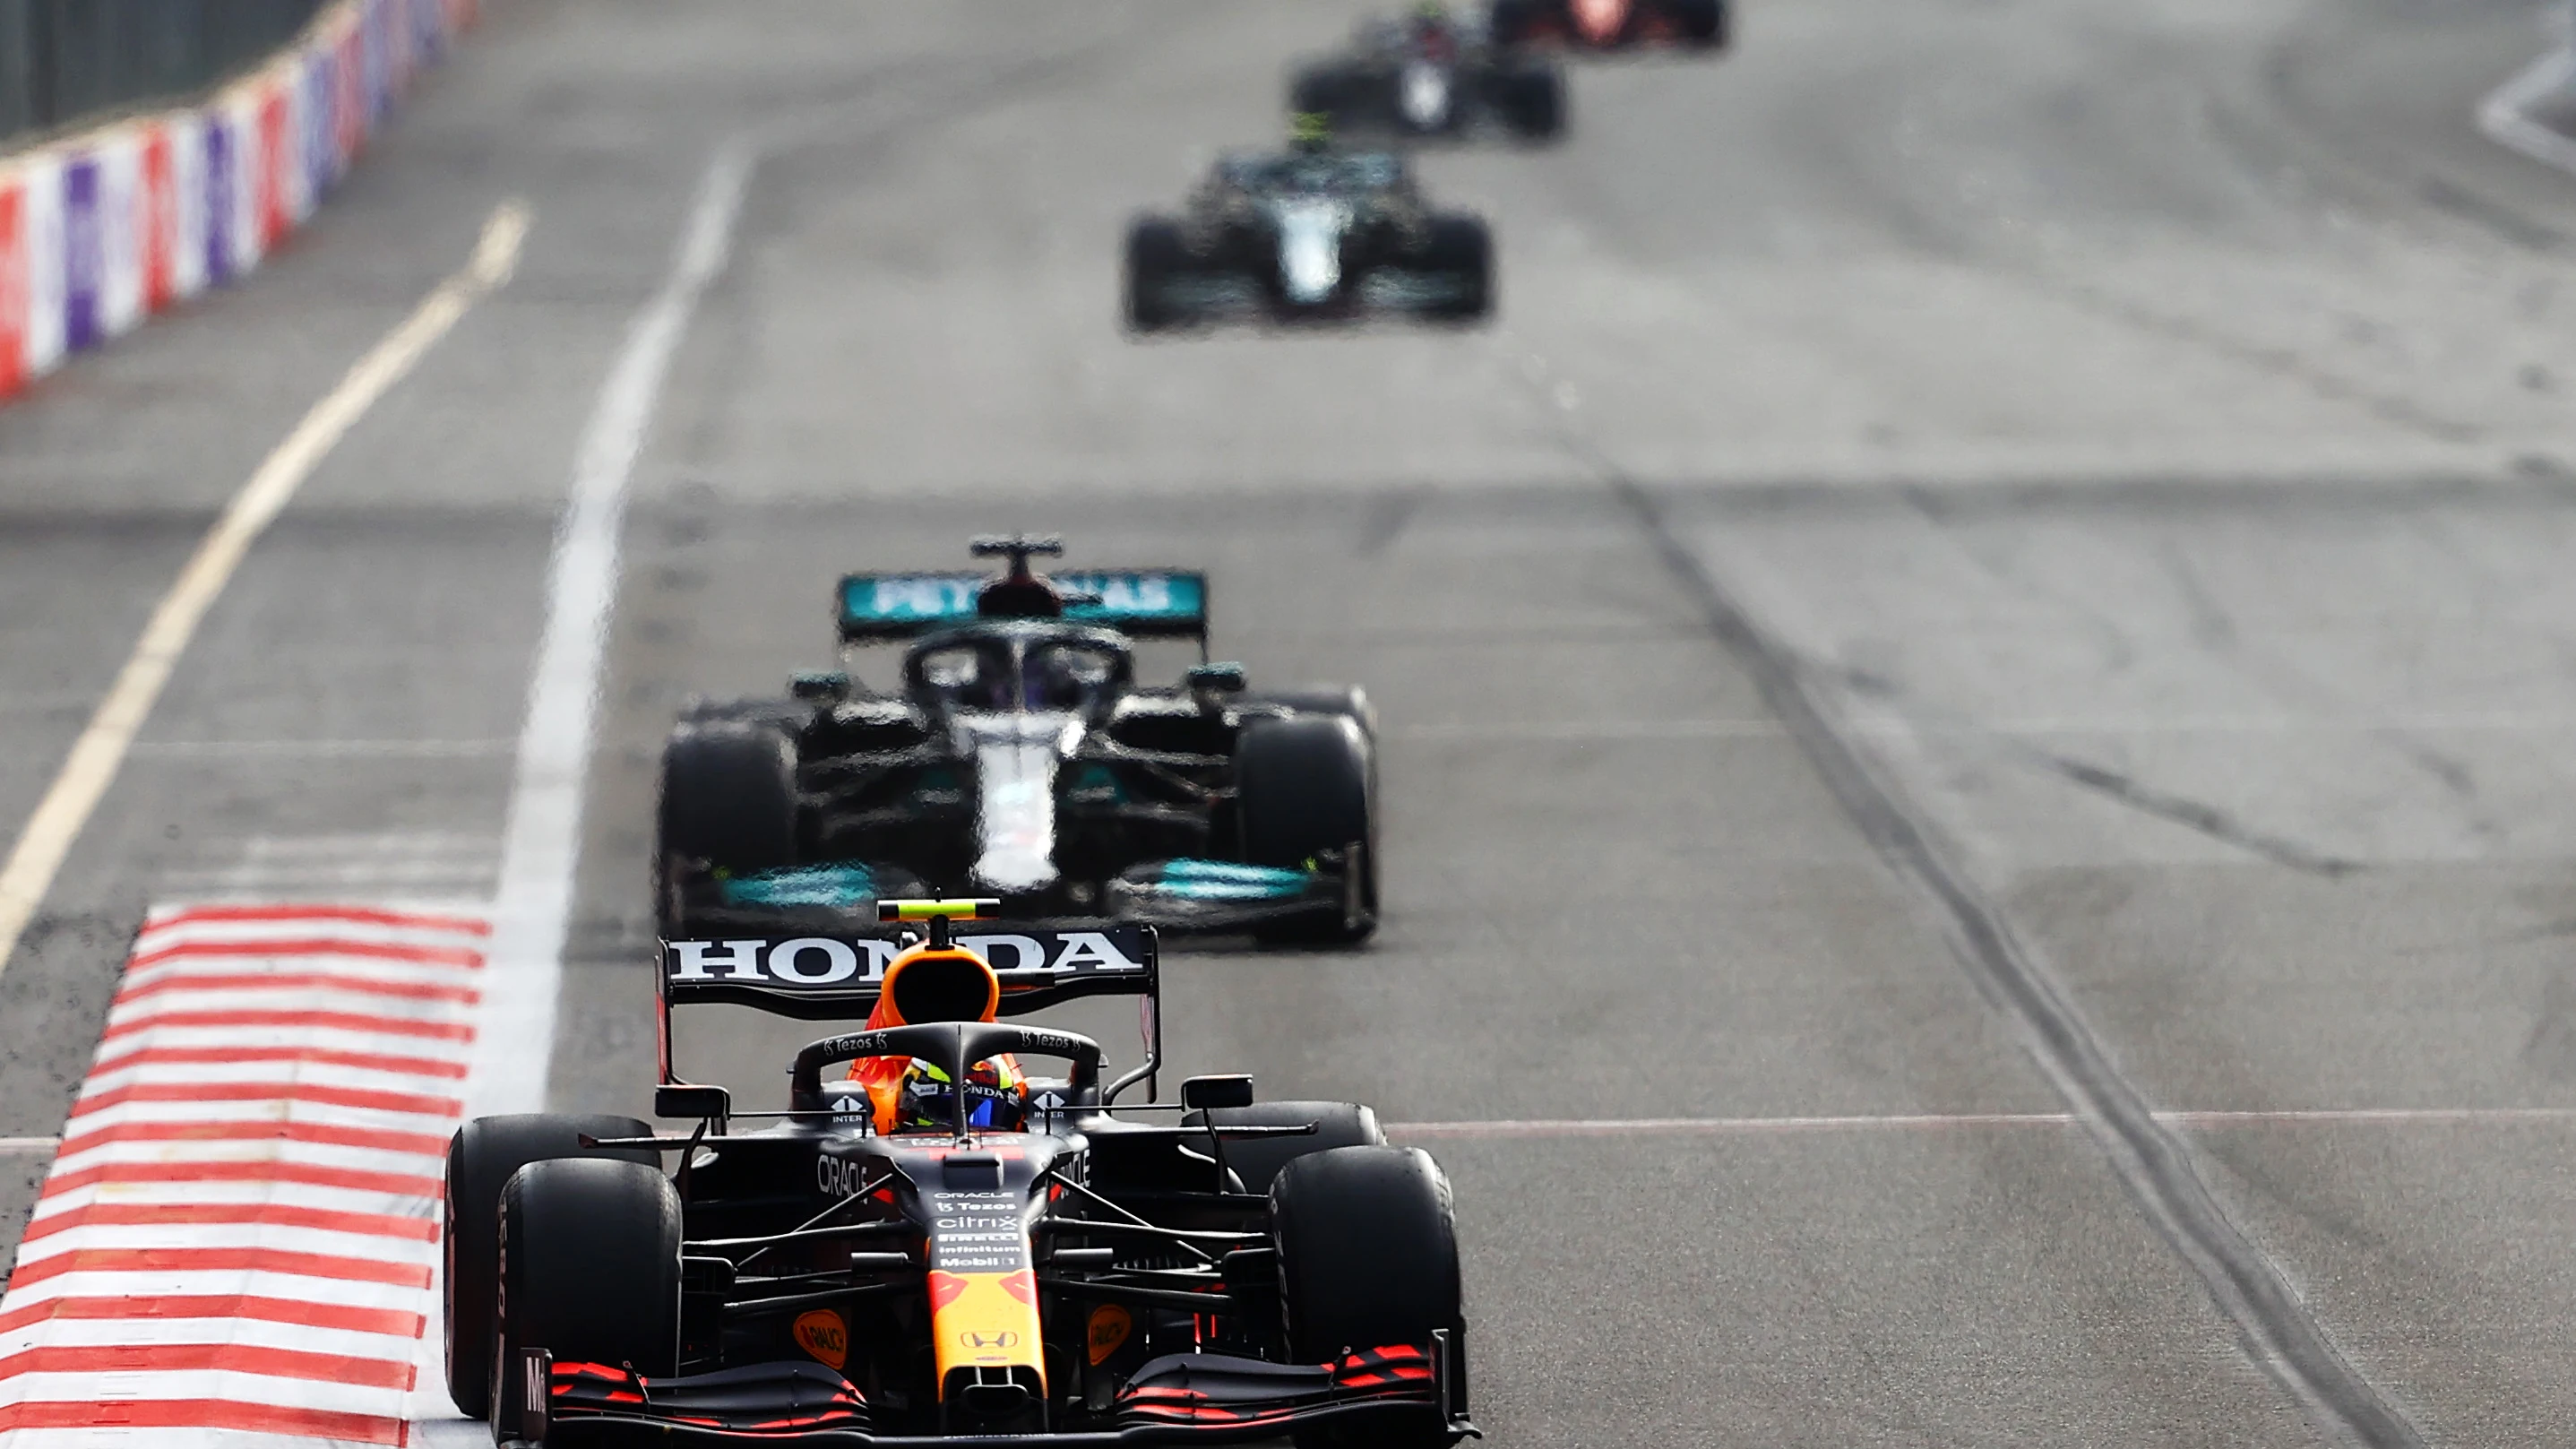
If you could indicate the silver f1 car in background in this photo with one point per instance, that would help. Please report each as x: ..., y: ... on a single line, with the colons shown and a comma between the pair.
x: 1427, y: 75
x: 1315, y: 233
x: 1020, y: 757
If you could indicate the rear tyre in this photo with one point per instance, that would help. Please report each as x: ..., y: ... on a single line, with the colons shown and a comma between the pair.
x: 1257, y: 1160
x: 1305, y: 785
x: 1510, y: 22
x: 481, y: 1159
x: 1155, y: 255
x: 1533, y: 101
x: 1322, y: 90
x: 1703, y: 23
x: 728, y: 799
x: 590, y: 1270
x: 1368, y: 1258
x: 1462, y: 248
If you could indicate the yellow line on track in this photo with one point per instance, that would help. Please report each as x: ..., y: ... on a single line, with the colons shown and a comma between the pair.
x: 101, y: 749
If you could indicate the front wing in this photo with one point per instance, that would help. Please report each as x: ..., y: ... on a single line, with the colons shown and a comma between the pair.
x: 1178, y: 1399
x: 1202, y: 897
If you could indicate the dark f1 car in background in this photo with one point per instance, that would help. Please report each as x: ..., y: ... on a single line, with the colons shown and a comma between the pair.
x: 1019, y: 757
x: 1028, y: 1265
x: 1315, y: 233
x: 1427, y: 75
x: 1606, y: 24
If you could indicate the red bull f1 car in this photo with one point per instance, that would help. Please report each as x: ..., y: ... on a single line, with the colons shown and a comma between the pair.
x: 938, y: 1245
x: 1612, y: 24
x: 1018, y: 755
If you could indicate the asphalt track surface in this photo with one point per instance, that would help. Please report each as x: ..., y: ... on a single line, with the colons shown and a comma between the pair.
x: 2001, y: 558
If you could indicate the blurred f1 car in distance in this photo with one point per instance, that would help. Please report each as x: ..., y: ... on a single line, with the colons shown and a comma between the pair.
x: 1610, y: 24
x: 1315, y: 233
x: 940, y: 1245
x: 1428, y: 75
x: 1018, y: 756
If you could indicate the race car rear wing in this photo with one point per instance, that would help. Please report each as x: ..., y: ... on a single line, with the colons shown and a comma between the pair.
x: 1145, y: 603
x: 838, y: 977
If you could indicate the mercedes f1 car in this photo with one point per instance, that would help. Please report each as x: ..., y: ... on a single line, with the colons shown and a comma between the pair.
x: 1312, y: 234
x: 911, y: 1255
x: 1426, y: 75
x: 1610, y: 24
x: 1019, y: 757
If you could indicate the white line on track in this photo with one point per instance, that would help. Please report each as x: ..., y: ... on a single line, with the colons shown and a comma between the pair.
x: 1951, y: 1121
x: 542, y: 841
x: 2506, y: 115
x: 102, y: 747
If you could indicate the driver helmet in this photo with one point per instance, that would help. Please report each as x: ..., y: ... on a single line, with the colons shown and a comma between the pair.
x: 1310, y: 131
x: 927, y: 984
x: 996, y: 1098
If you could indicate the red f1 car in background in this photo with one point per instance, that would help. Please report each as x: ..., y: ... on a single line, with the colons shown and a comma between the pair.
x: 1610, y: 24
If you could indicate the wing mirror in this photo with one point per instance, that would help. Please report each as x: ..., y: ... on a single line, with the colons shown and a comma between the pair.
x: 1215, y: 679
x: 678, y: 1100
x: 829, y: 684
x: 1201, y: 1093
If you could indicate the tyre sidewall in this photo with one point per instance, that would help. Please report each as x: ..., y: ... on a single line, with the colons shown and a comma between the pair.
x: 482, y: 1157
x: 1368, y: 1251
x: 590, y: 1269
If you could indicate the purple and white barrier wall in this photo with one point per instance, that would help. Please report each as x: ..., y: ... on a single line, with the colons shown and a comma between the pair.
x: 100, y: 230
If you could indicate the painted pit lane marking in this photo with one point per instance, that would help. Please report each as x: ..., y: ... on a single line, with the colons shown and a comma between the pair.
x: 239, y: 1231
x: 541, y: 842
x: 1936, y: 1121
x: 103, y: 745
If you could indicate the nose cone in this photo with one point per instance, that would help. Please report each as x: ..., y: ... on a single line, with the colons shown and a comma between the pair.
x: 1426, y: 95
x: 1310, y: 252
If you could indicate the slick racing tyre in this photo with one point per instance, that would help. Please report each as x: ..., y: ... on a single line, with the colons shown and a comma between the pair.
x: 1368, y: 1258
x: 1155, y: 256
x: 590, y: 1271
x: 481, y: 1159
x: 1305, y: 785
x: 728, y: 799
x: 1703, y: 23
x: 1257, y: 1160
x: 1461, y: 248
x: 1351, y: 700
x: 1511, y: 21
x: 1322, y: 90
x: 1531, y: 101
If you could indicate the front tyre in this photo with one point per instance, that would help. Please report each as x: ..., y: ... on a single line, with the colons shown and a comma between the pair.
x: 590, y: 1271
x: 1368, y: 1258
x: 481, y: 1159
x: 1305, y: 785
x: 1156, y: 255
x: 1460, y: 251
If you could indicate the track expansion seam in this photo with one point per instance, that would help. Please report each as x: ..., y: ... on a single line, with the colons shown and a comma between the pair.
x: 2153, y: 1164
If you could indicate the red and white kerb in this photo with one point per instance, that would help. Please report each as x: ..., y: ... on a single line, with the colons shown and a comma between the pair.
x: 239, y: 1233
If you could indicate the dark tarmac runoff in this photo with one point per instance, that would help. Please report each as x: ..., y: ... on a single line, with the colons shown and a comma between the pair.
x: 1978, y: 671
